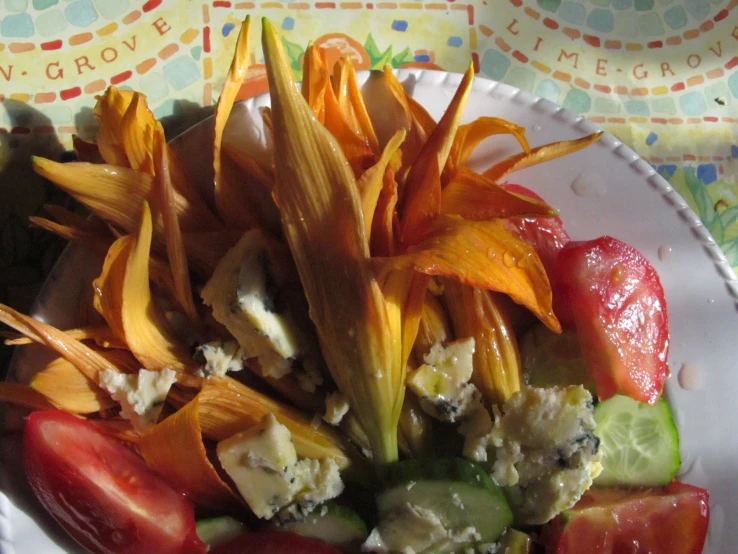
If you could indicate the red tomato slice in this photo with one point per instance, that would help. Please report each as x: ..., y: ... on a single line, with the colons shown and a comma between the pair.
x: 619, y: 310
x: 672, y: 520
x: 274, y: 542
x: 547, y: 236
x: 101, y: 492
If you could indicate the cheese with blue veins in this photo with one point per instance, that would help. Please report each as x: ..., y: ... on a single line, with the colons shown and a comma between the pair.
x: 263, y: 464
x: 244, y: 293
x: 546, y: 454
x: 141, y: 395
x: 219, y: 357
x: 442, y: 382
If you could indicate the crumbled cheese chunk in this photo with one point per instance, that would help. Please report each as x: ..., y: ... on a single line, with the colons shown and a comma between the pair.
x: 141, y: 395
x: 244, y: 293
x: 442, y: 382
x: 219, y: 357
x: 407, y: 527
x: 476, y: 430
x: 263, y: 464
x: 336, y: 406
x: 546, y: 453
x: 411, y: 528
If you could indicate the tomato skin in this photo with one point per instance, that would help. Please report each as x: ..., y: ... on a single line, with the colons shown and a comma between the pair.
x: 670, y: 520
x: 274, y: 542
x: 620, y: 315
x: 101, y: 492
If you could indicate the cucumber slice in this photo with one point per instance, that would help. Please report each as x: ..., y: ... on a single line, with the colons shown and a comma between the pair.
x: 461, y: 494
x: 640, y: 443
x: 333, y: 524
x: 554, y: 360
x: 219, y: 530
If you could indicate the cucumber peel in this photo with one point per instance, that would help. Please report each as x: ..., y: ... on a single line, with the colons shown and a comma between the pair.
x: 219, y: 530
x: 461, y: 494
x: 639, y: 442
x: 333, y: 524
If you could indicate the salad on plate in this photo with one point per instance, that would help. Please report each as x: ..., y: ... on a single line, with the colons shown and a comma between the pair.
x: 347, y: 341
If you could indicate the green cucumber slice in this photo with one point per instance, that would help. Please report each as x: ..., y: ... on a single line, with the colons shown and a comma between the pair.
x: 219, y: 530
x: 333, y: 524
x: 639, y: 442
x: 515, y: 542
x: 554, y: 360
x: 461, y: 494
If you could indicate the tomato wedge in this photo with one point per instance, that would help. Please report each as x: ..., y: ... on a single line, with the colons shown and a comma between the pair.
x: 101, y: 492
x: 671, y: 520
x: 274, y: 542
x: 619, y: 309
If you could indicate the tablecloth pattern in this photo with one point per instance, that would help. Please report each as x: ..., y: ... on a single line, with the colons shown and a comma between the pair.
x: 662, y: 75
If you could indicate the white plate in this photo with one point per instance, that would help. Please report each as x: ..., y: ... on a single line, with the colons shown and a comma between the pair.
x: 626, y: 199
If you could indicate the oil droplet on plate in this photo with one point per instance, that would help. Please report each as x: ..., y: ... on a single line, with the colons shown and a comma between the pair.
x: 589, y: 183
x: 664, y: 252
x: 710, y: 300
x: 536, y: 128
x: 691, y: 376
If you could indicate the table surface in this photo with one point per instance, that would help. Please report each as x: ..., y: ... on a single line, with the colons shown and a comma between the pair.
x: 662, y: 75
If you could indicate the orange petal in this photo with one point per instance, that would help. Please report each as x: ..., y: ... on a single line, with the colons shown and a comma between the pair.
x: 174, y: 449
x: 137, y: 134
x: 87, y: 360
x: 351, y: 102
x: 420, y: 196
x: 470, y: 135
x: 69, y: 389
x: 232, y: 200
x: 172, y: 232
x: 123, y: 297
x: 315, y: 81
x: 102, y: 335
x: 109, y: 112
x: 539, y: 155
x: 482, y: 254
x: 86, y: 151
x: 372, y: 180
x: 473, y: 196
x: 23, y: 395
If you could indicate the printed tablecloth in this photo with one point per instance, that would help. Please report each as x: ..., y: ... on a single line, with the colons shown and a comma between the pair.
x: 662, y: 75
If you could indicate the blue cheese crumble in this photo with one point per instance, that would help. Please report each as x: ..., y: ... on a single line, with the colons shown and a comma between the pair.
x: 442, y: 382
x: 262, y: 462
x: 217, y: 358
x: 141, y: 395
x: 545, y: 451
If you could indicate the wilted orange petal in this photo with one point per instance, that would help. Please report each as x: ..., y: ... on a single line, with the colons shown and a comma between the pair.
x: 69, y: 389
x: 86, y: 151
x: 420, y: 197
x: 315, y: 80
x: 351, y: 102
x: 174, y: 449
x: 539, y: 155
x: 371, y: 182
x: 137, y: 135
x: 23, y: 395
x: 83, y: 357
x: 482, y: 254
x: 124, y: 299
x: 473, y: 196
x: 172, y: 232
x: 470, y: 135
x: 109, y: 112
